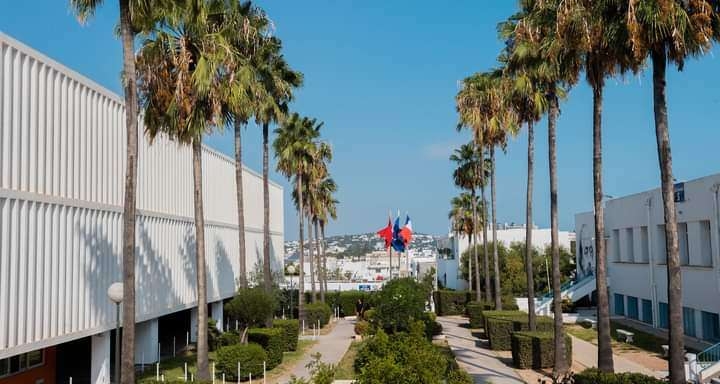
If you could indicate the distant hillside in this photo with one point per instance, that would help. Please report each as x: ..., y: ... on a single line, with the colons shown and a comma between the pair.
x: 360, y: 244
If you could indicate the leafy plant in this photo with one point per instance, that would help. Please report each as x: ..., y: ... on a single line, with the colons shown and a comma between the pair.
x: 252, y: 307
x: 399, y: 304
x: 250, y: 356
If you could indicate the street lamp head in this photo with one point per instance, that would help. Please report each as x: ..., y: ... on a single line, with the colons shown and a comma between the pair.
x: 115, y: 292
x: 291, y: 269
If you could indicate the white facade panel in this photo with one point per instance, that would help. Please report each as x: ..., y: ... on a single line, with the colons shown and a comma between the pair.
x: 62, y: 170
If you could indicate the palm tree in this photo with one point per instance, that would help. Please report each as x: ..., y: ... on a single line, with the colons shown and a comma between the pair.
x: 293, y: 148
x: 181, y: 76
x: 461, y: 217
x: 134, y: 16
x: 466, y: 176
x: 326, y: 189
x: 278, y: 81
x: 670, y: 30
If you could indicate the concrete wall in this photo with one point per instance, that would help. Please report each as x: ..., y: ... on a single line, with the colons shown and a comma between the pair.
x: 62, y: 146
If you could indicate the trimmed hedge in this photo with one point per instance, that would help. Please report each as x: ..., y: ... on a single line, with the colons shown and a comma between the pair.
x: 451, y: 302
x: 500, y: 328
x: 315, y: 312
x: 347, y: 300
x: 228, y: 338
x: 272, y: 340
x: 536, y: 350
x: 250, y: 356
x: 594, y: 376
x: 484, y: 315
x: 291, y: 332
x: 474, y: 311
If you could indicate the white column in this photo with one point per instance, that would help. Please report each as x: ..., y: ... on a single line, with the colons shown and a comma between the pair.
x: 217, y: 314
x: 146, y: 342
x: 100, y: 359
x: 193, y: 324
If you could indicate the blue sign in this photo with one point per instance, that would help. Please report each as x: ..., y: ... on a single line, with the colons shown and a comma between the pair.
x: 364, y: 287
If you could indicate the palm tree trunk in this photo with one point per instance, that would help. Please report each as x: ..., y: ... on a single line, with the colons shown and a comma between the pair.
x: 528, y: 229
x: 496, y: 263
x: 242, y: 271
x: 324, y: 258
x: 301, y: 278
x: 319, y: 262
x: 561, y: 363
x: 474, y: 245
x: 267, y: 277
x: 203, y: 370
x: 471, y: 239
x: 313, y: 298
x: 486, y: 266
x: 127, y: 367
x: 674, y: 273
x: 605, y: 356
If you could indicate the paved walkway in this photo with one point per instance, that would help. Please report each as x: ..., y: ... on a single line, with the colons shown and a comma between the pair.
x: 480, y: 362
x: 332, y: 347
x: 585, y: 353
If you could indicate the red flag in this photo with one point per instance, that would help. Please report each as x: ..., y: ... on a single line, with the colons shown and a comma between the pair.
x: 386, y: 233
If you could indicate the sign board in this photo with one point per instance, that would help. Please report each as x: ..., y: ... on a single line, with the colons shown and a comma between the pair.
x: 364, y: 287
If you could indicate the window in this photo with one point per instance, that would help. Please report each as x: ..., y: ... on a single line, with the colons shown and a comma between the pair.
x: 705, y: 244
x: 616, y: 245
x: 689, y: 321
x: 632, y: 308
x: 663, y: 315
x: 710, y: 329
x: 644, y: 252
x: 683, y: 243
x: 629, y: 245
x: 20, y: 363
x: 661, y: 246
x: 619, y: 304
x: 647, y: 311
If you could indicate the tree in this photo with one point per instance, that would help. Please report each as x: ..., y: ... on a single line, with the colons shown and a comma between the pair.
x: 293, y: 148
x: 251, y: 307
x: 670, y: 30
x: 182, y: 71
x: 278, y: 81
x: 135, y: 16
x: 467, y: 176
x: 461, y: 212
x: 326, y: 192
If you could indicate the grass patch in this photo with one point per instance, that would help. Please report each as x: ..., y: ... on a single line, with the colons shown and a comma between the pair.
x: 642, y: 341
x: 345, y: 370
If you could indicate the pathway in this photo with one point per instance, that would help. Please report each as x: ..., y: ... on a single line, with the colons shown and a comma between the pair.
x: 585, y: 353
x: 332, y: 347
x: 481, y: 363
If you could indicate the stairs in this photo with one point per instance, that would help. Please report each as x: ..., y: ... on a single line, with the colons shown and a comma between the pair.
x: 708, y: 364
x: 573, y: 290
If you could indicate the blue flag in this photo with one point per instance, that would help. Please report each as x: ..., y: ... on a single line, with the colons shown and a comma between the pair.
x: 398, y: 243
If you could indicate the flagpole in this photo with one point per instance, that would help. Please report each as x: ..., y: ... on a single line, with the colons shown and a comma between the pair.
x: 390, y: 248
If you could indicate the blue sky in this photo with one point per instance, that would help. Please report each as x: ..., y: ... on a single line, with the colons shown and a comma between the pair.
x: 383, y: 75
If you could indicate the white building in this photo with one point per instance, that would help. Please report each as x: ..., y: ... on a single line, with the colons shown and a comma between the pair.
x: 636, y: 254
x: 456, y: 244
x: 62, y: 153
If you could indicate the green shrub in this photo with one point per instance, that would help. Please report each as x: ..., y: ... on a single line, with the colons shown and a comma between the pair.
x: 458, y: 376
x: 252, y: 307
x: 474, y: 310
x: 291, y: 331
x: 228, y: 338
x: 213, y: 335
x: 484, y: 315
x: 347, y: 300
x: 399, y: 304
x: 500, y: 328
x: 432, y: 327
x: 362, y: 327
x: 273, y: 342
x: 369, y: 315
x: 451, y: 302
x: 536, y: 350
x: 250, y: 356
x: 594, y: 376
x: 317, y: 311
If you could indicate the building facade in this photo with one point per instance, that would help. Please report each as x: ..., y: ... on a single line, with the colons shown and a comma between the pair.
x: 636, y: 254
x: 62, y: 154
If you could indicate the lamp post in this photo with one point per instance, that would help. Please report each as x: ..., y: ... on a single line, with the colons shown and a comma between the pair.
x: 115, y: 293
x: 291, y: 271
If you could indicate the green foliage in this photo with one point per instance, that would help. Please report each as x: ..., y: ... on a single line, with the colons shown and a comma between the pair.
x: 291, y: 331
x: 273, y: 342
x: 536, y: 350
x: 432, y: 327
x: 346, y: 300
x: 250, y: 356
x: 594, y: 376
x: 500, y: 328
x: 399, y: 304
x: 252, y: 307
x: 213, y: 335
x: 458, y: 376
x: 474, y: 310
x: 369, y: 315
x: 228, y: 338
x: 451, y: 302
x: 317, y: 311
x: 362, y: 327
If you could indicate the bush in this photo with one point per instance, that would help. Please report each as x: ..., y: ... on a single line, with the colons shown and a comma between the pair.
x: 250, y: 356
x: 213, y: 335
x: 484, y: 315
x: 272, y: 340
x: 400, y: 303
x: 252, y: 307
x: 593, y: 376
x: 346, y: 300
x: 536, y: 350
x: 317, y: 311
x: 291, y: 331
x: 474, y: 310
x: 500, y: 328
x: 432, y: 327
x: 458, y: 376
x: 362, y: 327
x: 228, y: 338
x: 451, y: 302
x: 369, y: 315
